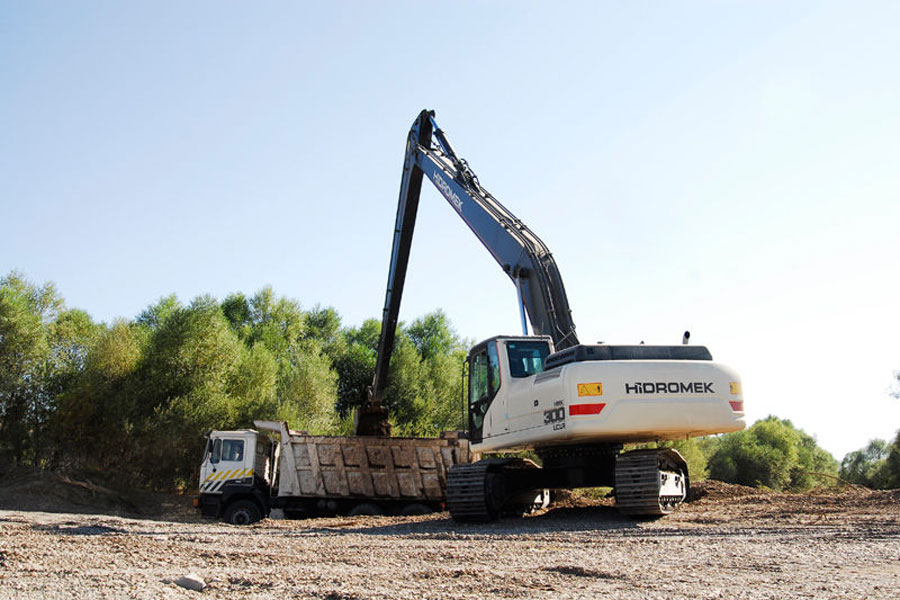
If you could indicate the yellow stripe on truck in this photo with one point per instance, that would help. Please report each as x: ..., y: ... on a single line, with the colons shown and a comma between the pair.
x: 226, y: 475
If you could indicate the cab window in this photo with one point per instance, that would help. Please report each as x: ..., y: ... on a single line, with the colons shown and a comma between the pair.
x: 526, y: 358
x: 233, y: 450
x: 216, y: 452
x: 484, y: 381
x: 494, y: 367
x: 479, y: 388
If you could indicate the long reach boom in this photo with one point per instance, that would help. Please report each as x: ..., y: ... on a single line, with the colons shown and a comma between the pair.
x: 519, y: 252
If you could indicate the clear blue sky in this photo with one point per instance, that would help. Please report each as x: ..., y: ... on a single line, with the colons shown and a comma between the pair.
x: 728, y: 168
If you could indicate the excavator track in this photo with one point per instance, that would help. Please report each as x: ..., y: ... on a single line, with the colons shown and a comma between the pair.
x: 651, y: 482
x: 469, y: 494
x: 493, y: 487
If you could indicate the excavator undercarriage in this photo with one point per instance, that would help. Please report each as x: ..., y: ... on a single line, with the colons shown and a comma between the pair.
x: 647, y: 482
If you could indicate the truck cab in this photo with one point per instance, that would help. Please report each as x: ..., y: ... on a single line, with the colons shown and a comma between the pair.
x: 235, y: 476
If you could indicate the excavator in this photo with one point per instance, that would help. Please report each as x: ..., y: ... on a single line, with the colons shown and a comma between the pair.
x: 574, y: 405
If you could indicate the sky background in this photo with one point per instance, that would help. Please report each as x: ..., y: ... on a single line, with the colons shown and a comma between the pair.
x: 725, y: 168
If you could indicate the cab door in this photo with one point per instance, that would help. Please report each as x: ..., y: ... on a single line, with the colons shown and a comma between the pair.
x: 224, y: 461
x: 484, y: 387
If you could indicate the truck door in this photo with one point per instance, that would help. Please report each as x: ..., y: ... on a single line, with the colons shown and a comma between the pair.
x: 226, y: 462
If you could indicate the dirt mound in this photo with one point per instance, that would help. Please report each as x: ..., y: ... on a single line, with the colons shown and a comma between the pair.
x: 33, y: 490
x: 579, y: 499
x: 719, y: 490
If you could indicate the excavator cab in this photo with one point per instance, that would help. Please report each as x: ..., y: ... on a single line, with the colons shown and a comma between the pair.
x: 493, y: 362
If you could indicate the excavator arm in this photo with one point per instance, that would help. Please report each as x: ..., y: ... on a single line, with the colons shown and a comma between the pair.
x: 519, y: 252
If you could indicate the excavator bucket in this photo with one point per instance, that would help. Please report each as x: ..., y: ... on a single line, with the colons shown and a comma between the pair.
x: 373, y: 421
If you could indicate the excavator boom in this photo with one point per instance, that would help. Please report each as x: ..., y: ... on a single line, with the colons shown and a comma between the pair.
x: 519, y: 252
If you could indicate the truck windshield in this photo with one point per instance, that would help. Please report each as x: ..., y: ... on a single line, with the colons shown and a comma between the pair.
x: 526, y: 358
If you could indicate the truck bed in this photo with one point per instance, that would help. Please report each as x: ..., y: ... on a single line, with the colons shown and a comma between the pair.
x: 383, y: 469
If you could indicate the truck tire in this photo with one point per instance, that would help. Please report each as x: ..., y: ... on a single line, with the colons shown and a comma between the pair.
x: 365, y: 509
x: 242, y: 512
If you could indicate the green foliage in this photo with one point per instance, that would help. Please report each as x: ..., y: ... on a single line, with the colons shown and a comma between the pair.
x: 693, y: 454
x: 134, y: 397
x: 425, y: 386
x: 324, y: 325
x: 26, y: 359
x: 97, y: 410
x: 876, y: 466
x: 892, y: 465
x: 308, y: 390
x: 253, y: 386
x: 278, y: 323
x: 774, y: 454
x: 406, y: 390
x: 156, y: 314
x: 355, y: 369
x: 432, y: 335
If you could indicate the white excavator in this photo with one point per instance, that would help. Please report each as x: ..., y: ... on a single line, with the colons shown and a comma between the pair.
x: 574, y: 405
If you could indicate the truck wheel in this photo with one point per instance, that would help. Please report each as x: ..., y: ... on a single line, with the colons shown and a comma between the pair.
x: 366, y: 509
x: 414, y: 509
x: 242, y: 512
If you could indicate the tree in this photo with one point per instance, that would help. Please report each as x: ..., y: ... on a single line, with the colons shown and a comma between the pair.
x: 324, y: 325
x: 424, y: 385
x: 308, y: 390
x: 276, y: 322
x: 404, y: 391
x: 355, y: 366
x: 25, y: 312
x: 71, y: 338
x: 865, y: 466
x: 771, y: 453
x: 891, y: 468
x: 253, y: 386
x: 444, y: 373
x: 98, y: 417
x: 236, y: 309
x: 432, y: 335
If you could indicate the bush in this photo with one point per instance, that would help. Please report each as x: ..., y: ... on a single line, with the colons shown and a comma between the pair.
x: 774, y: 454
x: 876, y: 466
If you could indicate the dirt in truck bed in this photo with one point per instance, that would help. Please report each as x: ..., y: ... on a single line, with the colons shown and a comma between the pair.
x: 728, y: 542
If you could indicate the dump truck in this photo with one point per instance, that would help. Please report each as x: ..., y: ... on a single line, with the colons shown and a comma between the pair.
x: 247, y: 474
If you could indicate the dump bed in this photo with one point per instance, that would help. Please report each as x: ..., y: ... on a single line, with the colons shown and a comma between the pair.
x: 376, y: 468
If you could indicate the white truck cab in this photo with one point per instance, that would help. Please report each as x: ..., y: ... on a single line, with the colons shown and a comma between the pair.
x: 235, y: 475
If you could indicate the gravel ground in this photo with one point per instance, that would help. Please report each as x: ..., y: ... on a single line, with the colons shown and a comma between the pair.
x: 730, y: 542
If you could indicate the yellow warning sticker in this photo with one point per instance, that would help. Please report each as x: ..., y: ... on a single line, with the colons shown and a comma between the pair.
x: 590, y: 389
